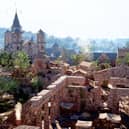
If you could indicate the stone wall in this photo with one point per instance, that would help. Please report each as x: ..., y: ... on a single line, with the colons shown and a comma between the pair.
x: 121, y: 71
x: 115, y: 96
x: 117, y: 81
x: 87, y: 98
x: 44, y: 108
x: 124, y: 105
x: 46, y: 105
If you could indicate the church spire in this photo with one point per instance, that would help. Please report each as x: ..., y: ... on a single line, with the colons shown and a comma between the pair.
x: 16, y: 27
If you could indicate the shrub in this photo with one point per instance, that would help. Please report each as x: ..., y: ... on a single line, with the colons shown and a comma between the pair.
x: 8, y: 84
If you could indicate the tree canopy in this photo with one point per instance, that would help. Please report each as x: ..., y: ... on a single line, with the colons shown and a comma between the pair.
x: 21, y: 60
x: 76, y: 59
x: 6, y: 59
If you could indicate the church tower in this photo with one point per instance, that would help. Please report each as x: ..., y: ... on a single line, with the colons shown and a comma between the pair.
x: 16, y: 30
x: 13, y: 38
x: 41, y: 42
x: 40, y: 37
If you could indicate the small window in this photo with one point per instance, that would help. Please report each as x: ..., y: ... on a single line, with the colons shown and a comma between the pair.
x: 17, y: 47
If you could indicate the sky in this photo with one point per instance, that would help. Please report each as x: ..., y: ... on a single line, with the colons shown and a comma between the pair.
x: 75, y: 18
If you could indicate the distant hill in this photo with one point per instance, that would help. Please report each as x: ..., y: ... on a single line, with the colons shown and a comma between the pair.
x: 95, y: 45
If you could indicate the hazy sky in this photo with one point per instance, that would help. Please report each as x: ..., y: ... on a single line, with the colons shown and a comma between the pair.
x: 76, y: 18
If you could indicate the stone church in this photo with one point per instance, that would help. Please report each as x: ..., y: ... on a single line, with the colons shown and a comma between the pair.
x: 14, y: 41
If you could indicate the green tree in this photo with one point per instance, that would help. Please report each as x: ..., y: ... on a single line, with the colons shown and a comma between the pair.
x: 104, y: 66
x: 94, y: 65
x: 76, y: 59
x: 6, y: 59
x: 21, y: 60
x: 8, y: 85
x: 36, y: 83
